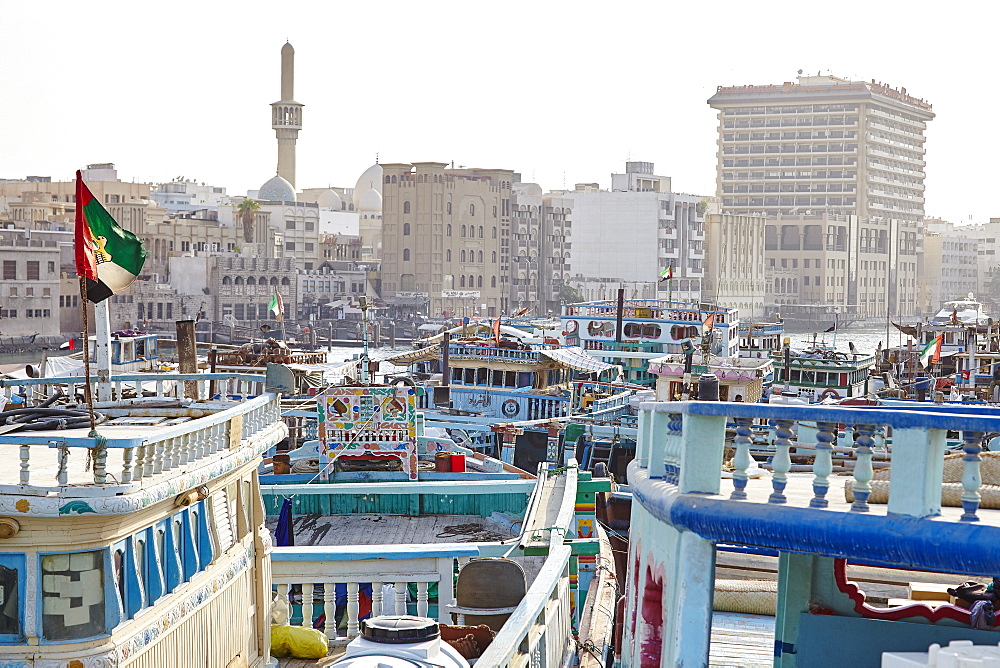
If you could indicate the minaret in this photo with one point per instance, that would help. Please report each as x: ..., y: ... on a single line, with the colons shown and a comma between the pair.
x: 286, y: 116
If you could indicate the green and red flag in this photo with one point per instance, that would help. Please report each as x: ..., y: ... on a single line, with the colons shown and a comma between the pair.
x: 931, y: 352
x: 667, y: 273
x: 277, y: 306
x: 108, y: 256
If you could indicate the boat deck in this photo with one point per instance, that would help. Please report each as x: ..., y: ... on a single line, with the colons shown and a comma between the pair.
x: 384, y: 529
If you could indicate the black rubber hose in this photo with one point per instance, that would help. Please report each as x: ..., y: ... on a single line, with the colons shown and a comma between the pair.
x: 42, y: 419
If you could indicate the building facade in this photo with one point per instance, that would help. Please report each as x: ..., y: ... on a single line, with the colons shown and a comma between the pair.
x: 445, y: 237
x: 540, y: 249
x: 828, y: 146
x: 735, y: 263
x: 950, y: 265
x: 628, y: 237
x: 29, y: 285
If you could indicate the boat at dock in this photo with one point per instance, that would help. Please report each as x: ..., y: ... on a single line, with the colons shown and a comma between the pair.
x: 836, y: 542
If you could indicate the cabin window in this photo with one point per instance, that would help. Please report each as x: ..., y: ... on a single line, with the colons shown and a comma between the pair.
x: 498, y: 378
x: 642, y: 330
x: 73, y: 603
x: 457, y: 375
x: 524, y: 379
x: 511, y: 380
x: 11, y: 596
x: 796, y: 375
x: 470, y: 376
x: 482, y: 376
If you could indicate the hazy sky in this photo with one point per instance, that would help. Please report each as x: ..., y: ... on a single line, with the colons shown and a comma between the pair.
x: 563, y: 92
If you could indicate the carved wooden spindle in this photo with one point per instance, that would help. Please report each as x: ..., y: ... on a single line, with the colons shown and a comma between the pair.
x: 127, y: 465
x: 826, y: 436
x: 741, y: 458
x: 25, y: 454
x: 781, y: 462
x: 422, y: 599
x: 158, y: 451
x: 330, y: 609
x: 863, y: 466
x: 100, y: 456
x: 283, y: 597
x: 183, y: 445
x: 971, y: 475
x: 376, y: 599
x: 307, y: 605
x: 353, y: 609
x: 400, y: 598
x: 62, y: 476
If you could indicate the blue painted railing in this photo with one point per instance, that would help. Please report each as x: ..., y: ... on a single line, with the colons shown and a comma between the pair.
x: 683, y: 507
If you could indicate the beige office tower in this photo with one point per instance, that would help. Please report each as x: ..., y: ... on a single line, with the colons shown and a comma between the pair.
x: 286, y: 116
x: 844, y: 159
x: 445, y: 238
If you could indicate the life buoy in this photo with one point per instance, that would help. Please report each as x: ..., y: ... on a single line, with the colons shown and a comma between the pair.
x: 510, y: 408
x: 830, y: 393
x: 570, y: 326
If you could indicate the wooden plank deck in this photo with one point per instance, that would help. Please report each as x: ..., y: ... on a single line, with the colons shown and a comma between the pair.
x: 382, y: 529
x: 741, y: 641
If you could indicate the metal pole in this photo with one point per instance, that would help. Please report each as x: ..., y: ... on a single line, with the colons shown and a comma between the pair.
x: 102, y: 328
x: 620, y: 315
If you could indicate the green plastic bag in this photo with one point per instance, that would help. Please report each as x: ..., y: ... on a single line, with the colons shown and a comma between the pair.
x: 298, y: 642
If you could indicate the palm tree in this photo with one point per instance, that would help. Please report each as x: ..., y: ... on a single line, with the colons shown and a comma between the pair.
x: 245, y: 210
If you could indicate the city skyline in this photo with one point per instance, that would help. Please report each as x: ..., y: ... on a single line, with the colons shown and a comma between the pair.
x: 580, y: 92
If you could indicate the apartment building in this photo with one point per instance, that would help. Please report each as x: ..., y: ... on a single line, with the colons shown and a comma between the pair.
x: 446, y: 238
x: 950, y: 265
x: 735, y: 263
x: 539, y: 249
x: 826, y: 146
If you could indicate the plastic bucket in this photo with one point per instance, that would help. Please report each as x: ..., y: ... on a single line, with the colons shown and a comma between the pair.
x: 442, y: 462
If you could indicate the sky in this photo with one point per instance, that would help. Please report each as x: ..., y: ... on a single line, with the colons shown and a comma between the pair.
x: 562, y: 92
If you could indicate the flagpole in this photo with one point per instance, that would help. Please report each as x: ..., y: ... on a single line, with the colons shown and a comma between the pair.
x: 102, y: 331
x: 87, y: 393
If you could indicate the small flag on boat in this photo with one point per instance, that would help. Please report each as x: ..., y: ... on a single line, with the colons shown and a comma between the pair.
x: 709, y: 323
x: 522, y: 312
x: 108, y: 256
x: 931, y: 352
x: 278, y: 307
x: 496, y: 328
x: 667, y: 273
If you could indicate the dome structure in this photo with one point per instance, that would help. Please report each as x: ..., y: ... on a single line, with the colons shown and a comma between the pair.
x: 370, y: 201
x: 371, y: 178
x: 329, y: 199
x: 277, y: 189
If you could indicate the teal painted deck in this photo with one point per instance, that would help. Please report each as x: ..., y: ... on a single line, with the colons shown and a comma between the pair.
x: 482, y: 505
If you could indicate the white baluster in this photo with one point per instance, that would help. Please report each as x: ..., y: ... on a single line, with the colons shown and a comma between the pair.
x: 376, y: 599
x: 63, y: 463
x: 157, y: 456
x: 127, y: 465
x: 972, y: 477
x: 781, y: 462
x: 25, y: 464
x: 400, y: 598
x: 307, y: 605
x: 826, y: 435
x: 422, y: 599
x: 352, y: 610
x: 100, y: 456
x: 330, y: 609
x: 863, y: 471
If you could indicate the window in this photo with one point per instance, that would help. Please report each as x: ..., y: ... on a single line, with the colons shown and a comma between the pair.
x: 290, y: 245
x: 463, y: 234
x: 494, y: 211
x: 493, y: 281
x: 448, y: 209
x: 406, y: 254
x: 289, y: 224
x: 494, y: 257
x: 10, y: 270
x: 479, y: 282
x: 13, y: 291
x: 52, y: 267
x: 494, y: 232
x: 480, y: 256
x: 10, y: 622
x: 462, y: 280
x: 480, y: 231
x: 447, y: 255
x: 472, y: 209
x: 406, y: 207
x: 309, y: 246
x: 406, y: 228
x: 447, y: 228
x: 463, y: 256
x: 70, y: 613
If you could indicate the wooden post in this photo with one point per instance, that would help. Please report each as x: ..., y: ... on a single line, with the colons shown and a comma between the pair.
x: 620, y: 312
x: 187, y: 355
x: 212, y: 358
x: 329, y: 340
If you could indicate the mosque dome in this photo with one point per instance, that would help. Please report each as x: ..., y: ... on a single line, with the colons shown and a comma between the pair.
x: 370, y: 200
x: 277, y: 189
x: 371, y: 178
x: 329, y: 199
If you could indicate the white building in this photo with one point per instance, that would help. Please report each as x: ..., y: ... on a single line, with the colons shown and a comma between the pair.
x: 735, y: 264
x: 182, y: 194
x: 949, y: 265
x: 630, y: 234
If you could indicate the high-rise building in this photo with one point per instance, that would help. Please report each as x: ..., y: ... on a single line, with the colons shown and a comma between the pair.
x: 539, y: 249
x: 949, y: 265
x: 286, y: 116
x: 445, y: 238
x: 829, y: 147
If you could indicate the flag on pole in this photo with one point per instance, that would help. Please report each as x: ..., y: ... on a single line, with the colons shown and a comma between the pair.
x: 709, y: 323
x: 108, y: 256
x: 277, y: 307
x: 931, y: 352
x: 667, y: 273
x: 522, y: 312
x: 496, y: 328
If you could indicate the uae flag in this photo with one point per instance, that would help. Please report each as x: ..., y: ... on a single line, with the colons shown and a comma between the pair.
x: 931, y: 352
x: 278, y: 307
x: 667, y: 273
x: 107, y: 256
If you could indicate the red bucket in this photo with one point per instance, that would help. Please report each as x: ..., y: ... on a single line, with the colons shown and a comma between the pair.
x: 458, y: 462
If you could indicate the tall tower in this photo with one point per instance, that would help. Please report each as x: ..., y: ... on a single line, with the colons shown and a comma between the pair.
x: 286, y: 116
